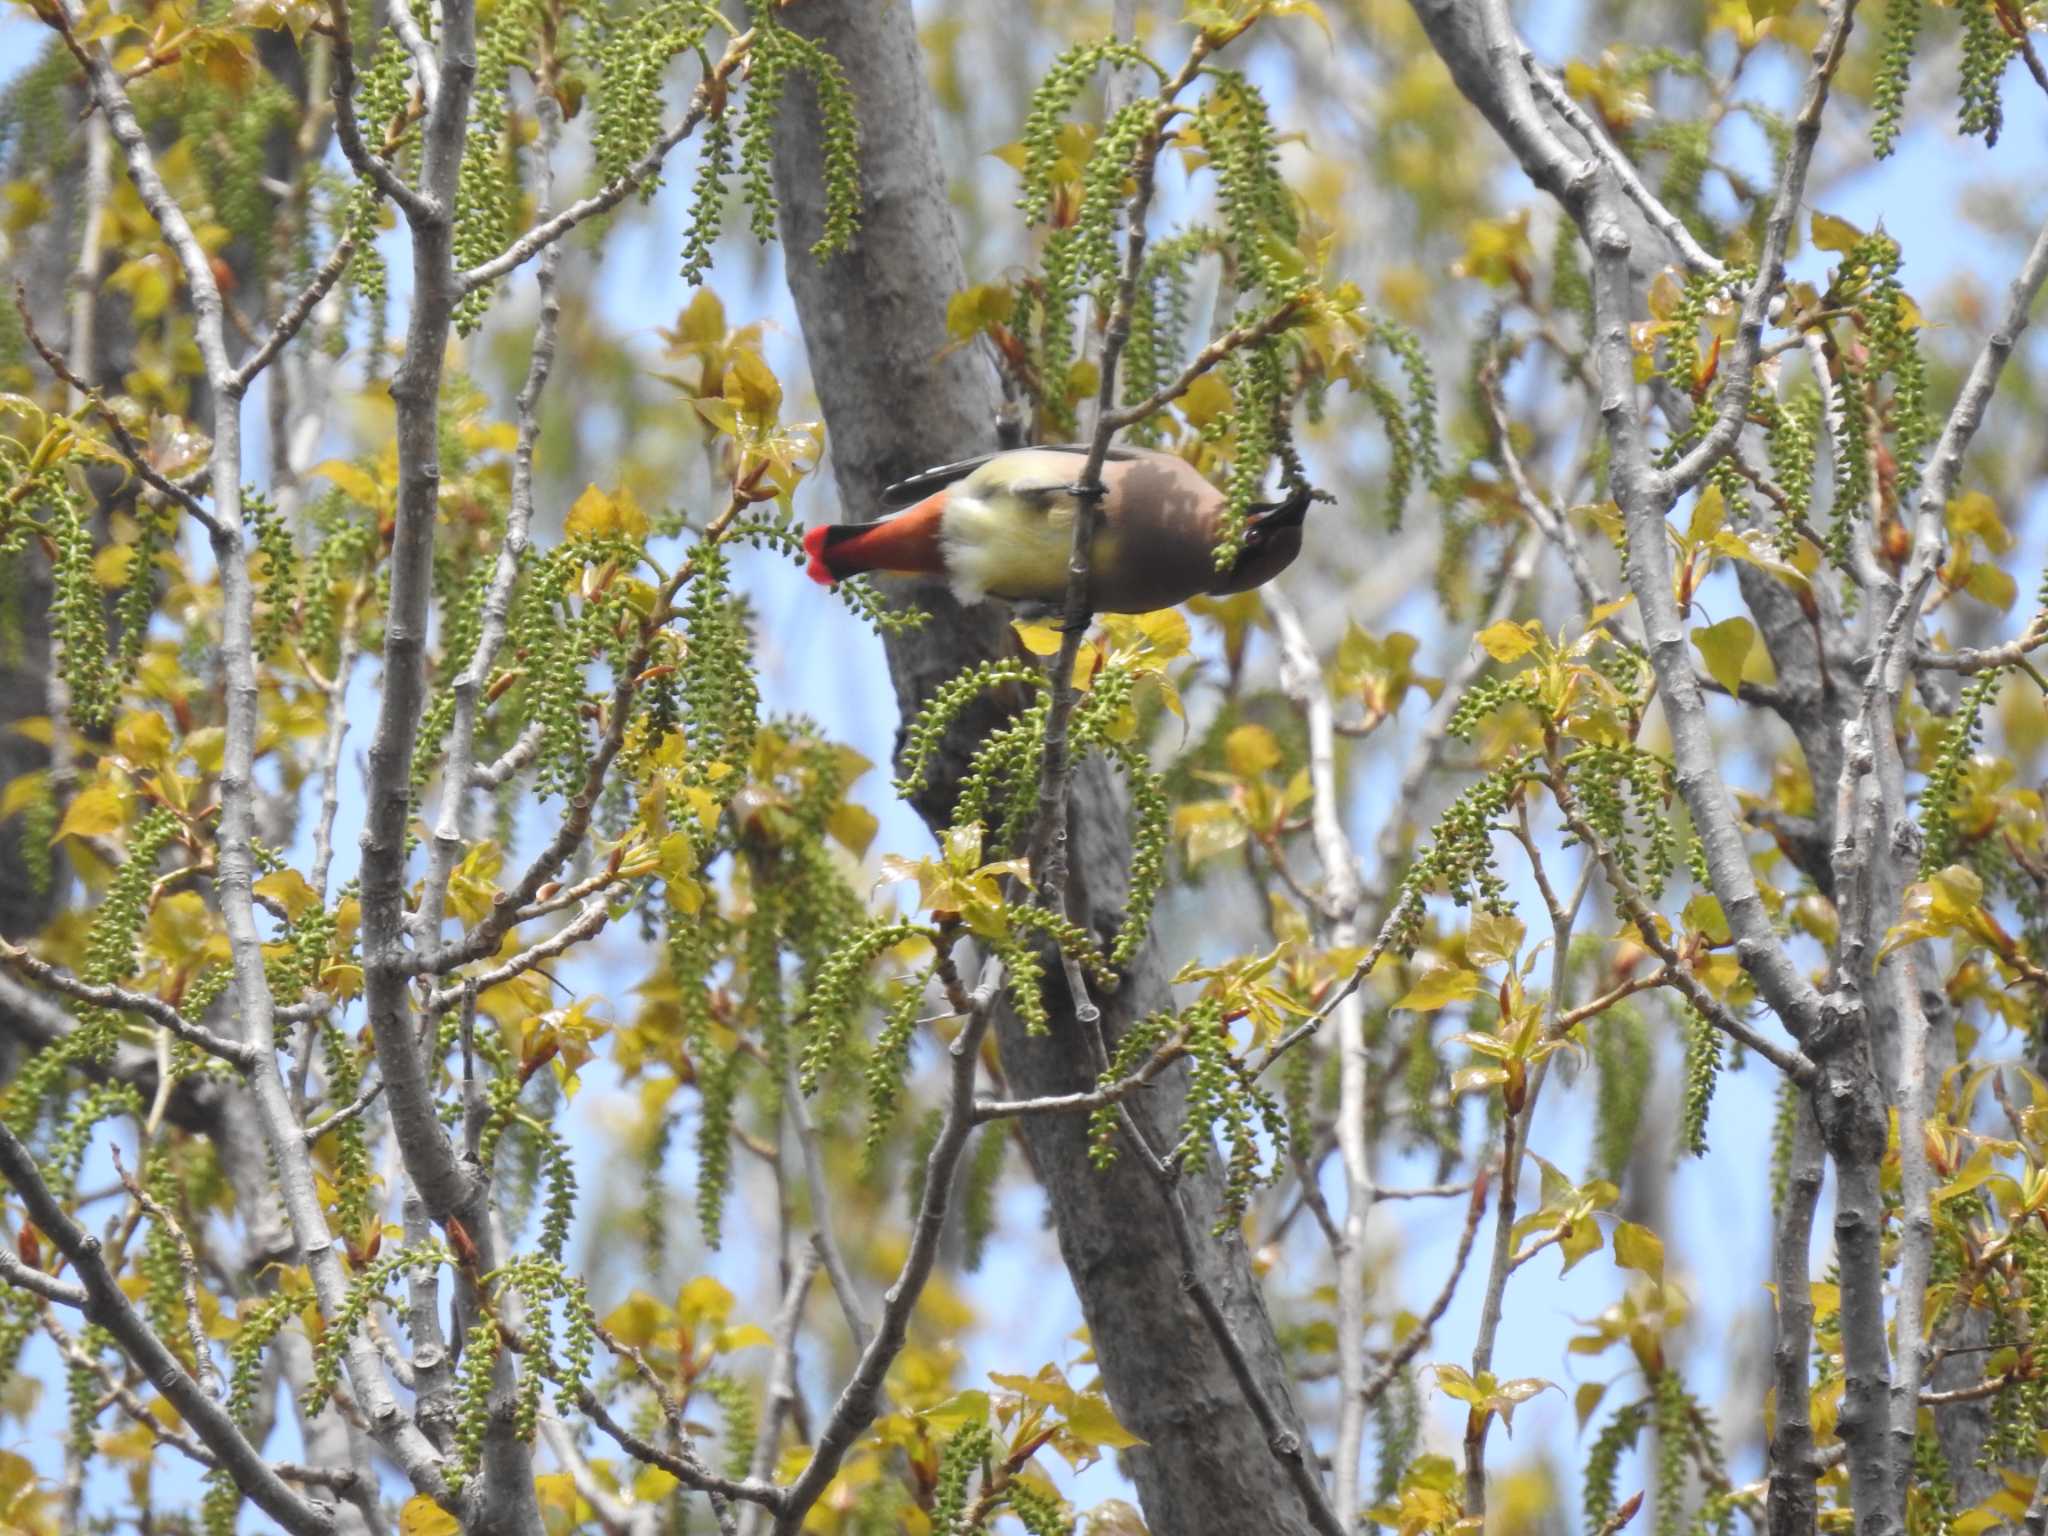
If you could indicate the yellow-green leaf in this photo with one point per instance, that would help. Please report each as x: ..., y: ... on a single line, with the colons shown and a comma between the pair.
x: 24, y: 790
x: 1724, y: 647
x: 704, y: 1300
x: 1507, y: 641
x: 1090, y: 1418
x: 1829, y: 232
x: 593, y: 515
x: 853, y: 825
x: 1992, y: 584
x: 144, y: 738
x: 93, y: 812
x: 288, y: 888
x: 1637, y: 1247
x: 957, y: 1412
x: 1250, y: 750
x: 421, y: 1516
x: 637, y: 1319
x: 751, y: 385
x: 1494, y: 937
x: 357, y: 486
x: 1438, y: 988
x: 1038, y: 639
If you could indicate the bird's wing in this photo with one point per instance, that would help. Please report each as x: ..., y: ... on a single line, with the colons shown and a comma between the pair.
x: 908, y: 492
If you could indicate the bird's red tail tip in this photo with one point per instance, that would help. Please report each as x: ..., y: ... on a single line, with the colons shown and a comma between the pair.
x: 814, y: 546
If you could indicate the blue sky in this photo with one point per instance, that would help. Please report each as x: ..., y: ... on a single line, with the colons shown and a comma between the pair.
x: 818, y: 660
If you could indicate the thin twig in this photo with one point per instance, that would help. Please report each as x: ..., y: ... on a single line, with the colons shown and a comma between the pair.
x: 188, y: 1274
x: 822, y: 1238
x: 295, y: 315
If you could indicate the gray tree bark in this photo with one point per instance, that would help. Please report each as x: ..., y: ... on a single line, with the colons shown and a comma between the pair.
x: 896, y: 399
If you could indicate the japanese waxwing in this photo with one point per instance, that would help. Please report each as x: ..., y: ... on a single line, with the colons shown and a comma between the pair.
x: 1003, y: 526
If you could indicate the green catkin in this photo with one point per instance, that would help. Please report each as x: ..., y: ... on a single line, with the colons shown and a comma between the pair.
x: 978, y: 1195
x: 1986, y: 52
x: 1852, y: 460
x: 962, y: 1458
x: 77, y: 620
x: 740, y: 1420
x: 887, y: 1064
x: 1050, y: 103
x: 1939, y: 833
x: 707, y: 204
x: 1793, y: 444
x: 1784, y: 1123
x: 777, y: 52
x: 1622, y: 1060
x: 1460, y: 860
x: 1702, y: 1068
x: 1889, y: 328
x: 1603, y: 1460
x: 1397, y: 1420
x: 473, y: 1399
x: 717, y: 1093
x: 1040, y: 1514
x: 1673, y: 1427
x: 1894, y: 74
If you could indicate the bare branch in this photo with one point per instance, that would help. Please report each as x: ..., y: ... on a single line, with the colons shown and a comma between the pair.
x: 822, y: 1238
x: 188, y: 1273
x: 1623, y: 170
x: 1301, y: 677
x: 369, y: 165
x: 1205, y: 361
x: 1789, y: 1060
x: 615, y: 191
x: 295, y: 315
x: 459, y: 767
x: 105, y: 1304
x: 49, y: 1287
x: 1412, y: 1346
x: 1738, y: 364
x: 1987, y: 658
x: 131, y: 450
x: 860, y: 1398
x: 781, y: 1380
x: 238, y: 1055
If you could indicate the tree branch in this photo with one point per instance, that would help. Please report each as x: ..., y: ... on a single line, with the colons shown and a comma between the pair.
x: 615, y: 191
x: 860, y: 1397
x: 104, y: 1303
x: 238, y: 1055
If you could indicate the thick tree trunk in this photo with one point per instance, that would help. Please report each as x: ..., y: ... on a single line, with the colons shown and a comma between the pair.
x: 897, y: 398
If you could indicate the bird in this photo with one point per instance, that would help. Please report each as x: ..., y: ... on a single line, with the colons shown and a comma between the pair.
x: 1002, y: 525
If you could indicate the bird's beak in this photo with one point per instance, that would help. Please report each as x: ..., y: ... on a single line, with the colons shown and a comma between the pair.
x: 1271, y: 543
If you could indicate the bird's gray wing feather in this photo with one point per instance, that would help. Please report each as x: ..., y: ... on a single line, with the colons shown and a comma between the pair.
x: 908, y: 492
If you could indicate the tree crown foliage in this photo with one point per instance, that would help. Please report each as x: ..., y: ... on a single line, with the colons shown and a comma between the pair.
x: 1750, y: 791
